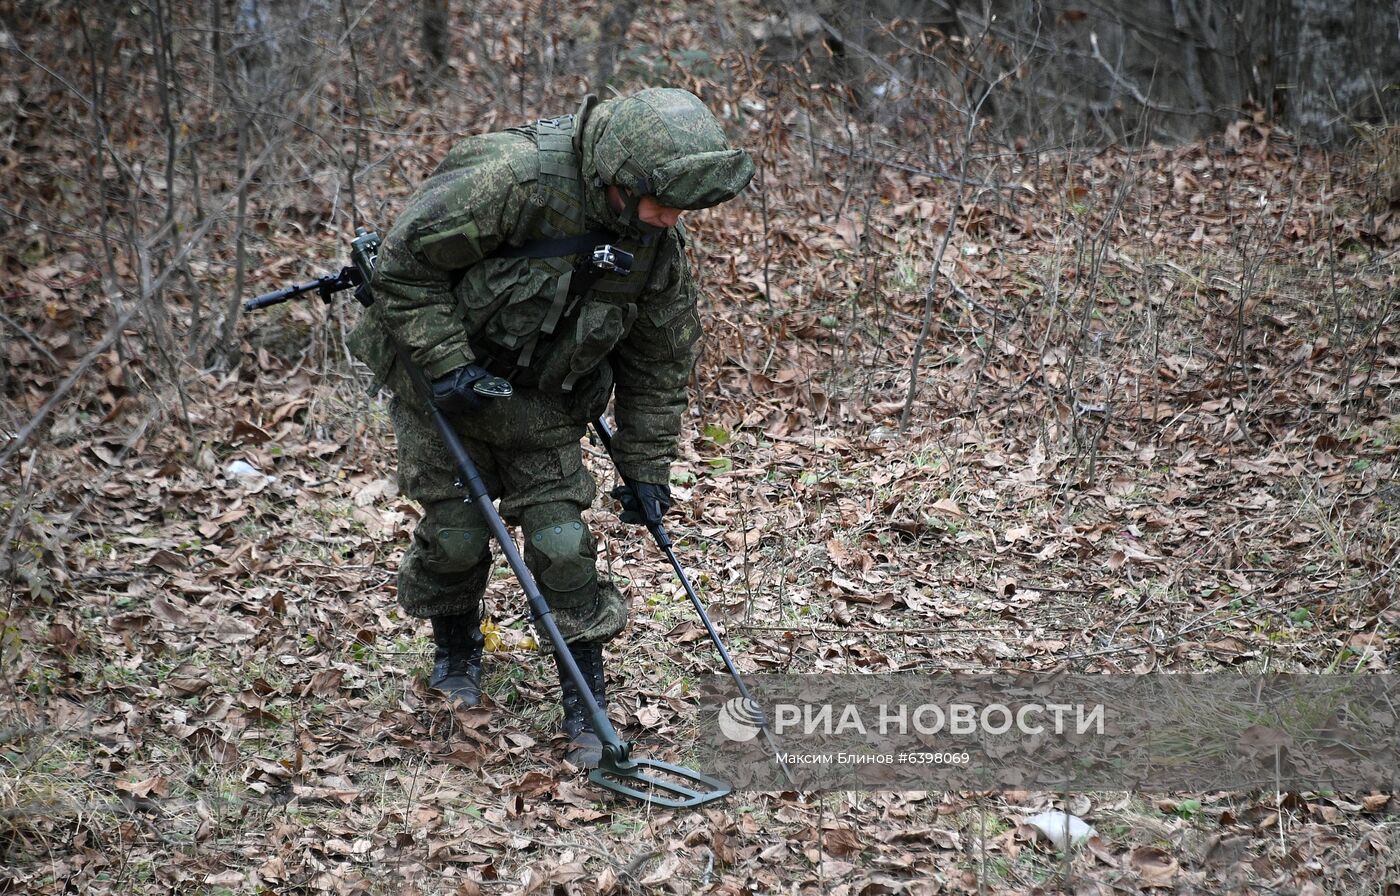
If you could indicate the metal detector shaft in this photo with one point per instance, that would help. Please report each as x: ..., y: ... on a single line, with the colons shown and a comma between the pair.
x: 663, y: 540
x: 658, y: 532
x: 676, y: 787
x: 471, y: 478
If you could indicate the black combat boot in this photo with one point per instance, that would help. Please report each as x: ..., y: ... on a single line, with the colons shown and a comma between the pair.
x: 457, y: 660
x: 585, y: 748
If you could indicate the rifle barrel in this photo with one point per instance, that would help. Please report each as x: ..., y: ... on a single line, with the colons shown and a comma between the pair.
x: 325, y: 284
x: 278, y: 296
x: 364, y: 249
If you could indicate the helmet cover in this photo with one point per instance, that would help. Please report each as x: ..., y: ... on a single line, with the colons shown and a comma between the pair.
x: 663, y: 142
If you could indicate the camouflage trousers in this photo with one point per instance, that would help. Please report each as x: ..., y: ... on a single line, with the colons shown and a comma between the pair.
x: 527, y: 450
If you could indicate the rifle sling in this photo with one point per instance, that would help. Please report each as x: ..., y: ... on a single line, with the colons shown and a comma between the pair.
x: 556, y: 247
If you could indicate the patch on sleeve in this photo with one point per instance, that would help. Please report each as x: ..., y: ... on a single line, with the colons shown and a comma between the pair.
x: 451, y: 247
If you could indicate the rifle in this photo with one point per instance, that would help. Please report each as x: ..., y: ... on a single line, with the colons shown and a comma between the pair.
x: 364, y: 253
x: 617, y: 771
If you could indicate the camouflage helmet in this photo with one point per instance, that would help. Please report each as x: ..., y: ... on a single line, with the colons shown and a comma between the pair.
x: 663, y: 142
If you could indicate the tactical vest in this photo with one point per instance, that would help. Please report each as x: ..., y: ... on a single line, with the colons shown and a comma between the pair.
x: 548, y: 321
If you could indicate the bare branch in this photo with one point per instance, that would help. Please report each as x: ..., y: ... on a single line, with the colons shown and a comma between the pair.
x: 115, y: 330
x: 1137, y: 94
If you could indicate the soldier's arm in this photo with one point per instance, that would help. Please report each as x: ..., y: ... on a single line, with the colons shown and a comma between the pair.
x: 457, y: 218
x: 652, y: 369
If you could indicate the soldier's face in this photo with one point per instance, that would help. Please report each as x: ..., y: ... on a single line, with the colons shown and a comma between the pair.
x: 657, y: 215
x: 649, y: 211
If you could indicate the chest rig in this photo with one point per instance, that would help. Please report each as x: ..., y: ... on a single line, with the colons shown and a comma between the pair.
x: 598, y: 277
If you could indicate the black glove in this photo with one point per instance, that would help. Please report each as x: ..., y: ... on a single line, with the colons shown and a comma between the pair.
x: 643, y: 503
x: 463, y: 390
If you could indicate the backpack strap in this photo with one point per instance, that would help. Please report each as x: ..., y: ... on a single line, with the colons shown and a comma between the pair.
x: 555, y: 248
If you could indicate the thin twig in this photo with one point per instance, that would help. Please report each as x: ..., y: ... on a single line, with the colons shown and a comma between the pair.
x: 856, y: 630
x: 1133, y: 89
x: 910, y: 169
x: 16, y: 514
x: 29, y: 337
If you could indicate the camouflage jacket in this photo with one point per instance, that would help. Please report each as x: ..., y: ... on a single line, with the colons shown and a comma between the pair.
x: 441, y: 291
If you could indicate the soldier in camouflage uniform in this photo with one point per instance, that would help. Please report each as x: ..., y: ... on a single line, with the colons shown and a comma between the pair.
x: 488, y: 275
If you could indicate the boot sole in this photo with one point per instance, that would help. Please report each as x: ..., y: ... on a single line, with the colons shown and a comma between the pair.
x: 456, y: 695
x: 588, y: 757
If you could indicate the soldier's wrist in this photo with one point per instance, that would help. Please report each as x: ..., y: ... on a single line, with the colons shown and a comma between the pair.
x: 655, y: 475
x: 450, y: 361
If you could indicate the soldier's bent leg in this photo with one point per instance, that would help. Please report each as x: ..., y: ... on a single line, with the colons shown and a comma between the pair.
x: 562, y: 555
x: 546, y: 492
x: 588, y: 612
x: 443, y: 577
x: 444, y: 570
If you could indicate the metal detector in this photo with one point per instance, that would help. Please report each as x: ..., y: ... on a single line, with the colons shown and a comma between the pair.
x: 617, y: 770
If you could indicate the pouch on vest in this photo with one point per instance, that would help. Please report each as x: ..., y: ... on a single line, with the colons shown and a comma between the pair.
x: 505, y: 301
x: 596, y: 330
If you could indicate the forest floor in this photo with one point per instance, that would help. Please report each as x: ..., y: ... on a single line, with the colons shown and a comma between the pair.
x: 1155, y: 429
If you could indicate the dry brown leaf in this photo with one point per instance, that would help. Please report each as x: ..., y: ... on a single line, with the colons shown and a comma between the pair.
x: 1154, y: 866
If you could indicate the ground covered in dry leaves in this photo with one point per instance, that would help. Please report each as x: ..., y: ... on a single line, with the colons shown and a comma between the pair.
x: 1154, y: 427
